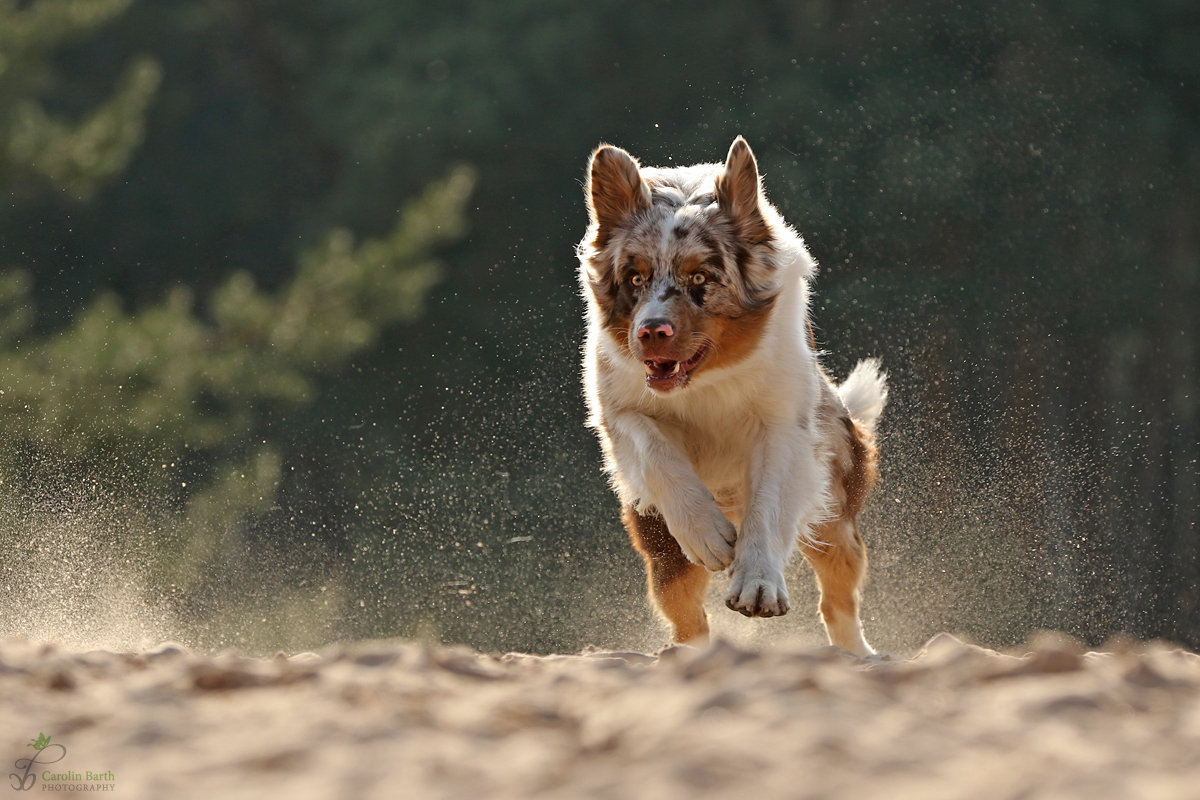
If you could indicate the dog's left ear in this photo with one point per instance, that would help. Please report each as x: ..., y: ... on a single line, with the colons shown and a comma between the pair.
x: 615, y: 188
x: 737, y: 190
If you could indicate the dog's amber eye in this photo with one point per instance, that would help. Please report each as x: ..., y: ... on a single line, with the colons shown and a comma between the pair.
x: 699, y: 278
x: 637, y: 280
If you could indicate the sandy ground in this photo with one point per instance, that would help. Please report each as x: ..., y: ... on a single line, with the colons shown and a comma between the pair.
x: 394, y: 720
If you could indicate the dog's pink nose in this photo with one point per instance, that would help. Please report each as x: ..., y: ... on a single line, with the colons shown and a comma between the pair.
x: 654, y: 330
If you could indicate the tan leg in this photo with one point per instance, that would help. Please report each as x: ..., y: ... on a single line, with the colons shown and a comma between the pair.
x: 677, y: 586
x: 841, y: 566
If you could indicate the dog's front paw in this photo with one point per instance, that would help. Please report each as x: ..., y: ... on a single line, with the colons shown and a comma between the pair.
x: 757, y: 590
x: 708, y: 540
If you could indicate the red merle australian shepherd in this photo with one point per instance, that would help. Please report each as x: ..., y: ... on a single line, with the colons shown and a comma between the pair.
x: 725, y: 440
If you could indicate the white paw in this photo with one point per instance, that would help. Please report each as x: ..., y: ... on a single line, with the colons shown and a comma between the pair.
x: 707, y: 540
x: 757, y: 590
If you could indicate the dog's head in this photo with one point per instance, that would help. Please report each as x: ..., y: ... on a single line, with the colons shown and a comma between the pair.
x: 681, y: 262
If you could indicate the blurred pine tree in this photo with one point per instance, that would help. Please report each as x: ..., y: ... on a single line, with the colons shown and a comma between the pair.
x: 76, y: 156
x: 133, y: 402
x: 154, y: 413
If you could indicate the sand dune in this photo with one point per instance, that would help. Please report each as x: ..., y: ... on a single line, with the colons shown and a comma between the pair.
x: 393, y: 720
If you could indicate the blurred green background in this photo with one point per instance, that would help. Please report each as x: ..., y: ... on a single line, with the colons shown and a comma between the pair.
x: 289, y: 328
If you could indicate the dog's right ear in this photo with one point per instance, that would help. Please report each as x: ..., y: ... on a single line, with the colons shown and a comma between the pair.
x: 615, y: 188
x: 737, y: 190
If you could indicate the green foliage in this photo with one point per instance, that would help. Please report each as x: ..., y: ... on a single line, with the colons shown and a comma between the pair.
x: 135, y: 403
x: 40, y: 742
x: 75, y: 156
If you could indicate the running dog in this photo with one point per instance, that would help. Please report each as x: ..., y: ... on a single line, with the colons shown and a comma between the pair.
x: 723, y: 437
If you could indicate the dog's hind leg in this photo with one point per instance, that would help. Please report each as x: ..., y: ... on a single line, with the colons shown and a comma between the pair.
x: 839, y: 558
x: 838, y: 554
x: 677, y: 586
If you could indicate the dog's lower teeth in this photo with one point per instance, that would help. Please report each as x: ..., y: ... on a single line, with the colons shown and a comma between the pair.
x: 676, y: 368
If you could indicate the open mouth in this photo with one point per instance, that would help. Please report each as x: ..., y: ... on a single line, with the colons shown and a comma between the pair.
x: 664, y: 375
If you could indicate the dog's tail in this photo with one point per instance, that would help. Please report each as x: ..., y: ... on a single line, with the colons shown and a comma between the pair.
x: 865, y: 393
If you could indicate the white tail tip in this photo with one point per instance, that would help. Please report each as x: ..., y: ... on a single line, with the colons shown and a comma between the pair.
x: 865, y: 392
